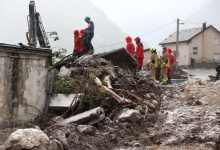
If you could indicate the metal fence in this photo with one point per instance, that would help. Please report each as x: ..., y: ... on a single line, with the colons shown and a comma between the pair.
x: 204, y: 63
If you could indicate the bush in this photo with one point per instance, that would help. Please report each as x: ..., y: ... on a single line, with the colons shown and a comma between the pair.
x: 64, y: 85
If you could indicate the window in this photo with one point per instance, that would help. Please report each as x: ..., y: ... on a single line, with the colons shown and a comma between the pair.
x: 217, y: 41
x: 195, y: 50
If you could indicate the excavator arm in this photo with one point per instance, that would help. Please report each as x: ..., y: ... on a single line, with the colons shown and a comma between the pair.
x: 36, y: 29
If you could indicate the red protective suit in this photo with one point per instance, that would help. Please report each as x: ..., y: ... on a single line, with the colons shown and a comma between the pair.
x: 171, y: 57
x: 130, y: 46
x: 82, y: 33
x: 77, y: 42
x: 140, y: 53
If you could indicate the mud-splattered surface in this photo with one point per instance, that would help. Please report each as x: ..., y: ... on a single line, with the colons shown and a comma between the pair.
x: 188, y: 120
x: 190, y: 115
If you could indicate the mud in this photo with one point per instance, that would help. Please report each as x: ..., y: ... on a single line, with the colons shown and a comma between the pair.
x: 189, y: 115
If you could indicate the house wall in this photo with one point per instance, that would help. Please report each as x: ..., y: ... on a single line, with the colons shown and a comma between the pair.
x: 207, y: 50
x: 23, y: 85
x: 210, y: 48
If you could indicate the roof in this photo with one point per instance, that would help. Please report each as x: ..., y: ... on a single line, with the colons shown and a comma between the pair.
x: 120, y: 57
x: 24, y: 49
x: 184, y: 35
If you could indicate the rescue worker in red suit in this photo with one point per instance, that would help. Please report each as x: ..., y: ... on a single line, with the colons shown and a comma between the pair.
x: 77, y: 42
x: 139, y: 53
x: 82, y: 33
x: 130, y: 46
x: 171, y: 57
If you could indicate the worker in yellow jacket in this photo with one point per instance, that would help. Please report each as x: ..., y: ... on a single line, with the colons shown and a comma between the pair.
x: 153, y: 62
x: 165, y: 63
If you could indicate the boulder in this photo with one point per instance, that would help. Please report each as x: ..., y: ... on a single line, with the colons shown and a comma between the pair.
x: 128, y: 115
x: 26, y: 139
x: 86, y: 129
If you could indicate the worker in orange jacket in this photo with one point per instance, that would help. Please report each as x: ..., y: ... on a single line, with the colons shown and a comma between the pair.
x: 171, y: 56
x: 165, y: 63
x: 139, y: 52
x: 77, y: 42
x: 130, y: 46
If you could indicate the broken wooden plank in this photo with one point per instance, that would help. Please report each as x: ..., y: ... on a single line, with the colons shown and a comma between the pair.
x: 90, y: 117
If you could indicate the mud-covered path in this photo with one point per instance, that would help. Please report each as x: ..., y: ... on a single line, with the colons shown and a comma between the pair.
x: 189, y: 117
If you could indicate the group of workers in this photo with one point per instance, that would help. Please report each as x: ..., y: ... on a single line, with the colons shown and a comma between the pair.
x: 83, y: 39
x: 139, y: 50
x: 160, y: 68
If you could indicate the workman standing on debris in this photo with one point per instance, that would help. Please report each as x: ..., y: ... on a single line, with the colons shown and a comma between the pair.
x: 130, y: 46
x: 165, y: 65
x: 89, y: 34
x: 171, y: 60
x: 82, y: 35
x: 139, y: 52
x: 77, y: 42
x: 218, y: 72
x: 153, y: 63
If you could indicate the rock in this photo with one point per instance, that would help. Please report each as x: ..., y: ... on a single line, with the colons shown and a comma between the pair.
x: 55, y: 120
x: 128, y: 115
x: 198, y: 103
x: 26, y: 139
x: 2, y: 147
x: 64, y: 72
x: 156, y: 103
x: 136, y: 144
x: 86, y: 129
x: 217, y: 82
x: 53, y: 145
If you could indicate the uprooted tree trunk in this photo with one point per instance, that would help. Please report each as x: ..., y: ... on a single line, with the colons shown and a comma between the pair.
x: 118, y: 98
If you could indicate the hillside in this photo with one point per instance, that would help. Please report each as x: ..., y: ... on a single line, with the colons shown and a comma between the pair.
x: 209, y: 13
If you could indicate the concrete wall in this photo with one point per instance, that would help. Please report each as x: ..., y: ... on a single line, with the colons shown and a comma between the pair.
x: 23, y: 85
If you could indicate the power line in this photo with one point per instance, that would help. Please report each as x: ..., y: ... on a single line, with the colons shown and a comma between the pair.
x: 192, y: 22
x: 159, y: 28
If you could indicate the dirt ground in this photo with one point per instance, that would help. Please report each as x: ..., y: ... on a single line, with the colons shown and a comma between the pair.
x: 189, y: 119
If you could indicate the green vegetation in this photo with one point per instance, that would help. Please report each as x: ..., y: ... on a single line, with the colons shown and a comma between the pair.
x: 64, y: 85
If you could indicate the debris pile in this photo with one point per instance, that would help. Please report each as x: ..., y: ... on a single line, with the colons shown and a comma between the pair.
x: 101, y: 83
x: 112, y: 104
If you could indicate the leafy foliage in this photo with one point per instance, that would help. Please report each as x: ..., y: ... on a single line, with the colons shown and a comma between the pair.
x: 64, y: 85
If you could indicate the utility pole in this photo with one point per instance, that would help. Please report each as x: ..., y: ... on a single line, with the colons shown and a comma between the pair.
x: 177, y: 43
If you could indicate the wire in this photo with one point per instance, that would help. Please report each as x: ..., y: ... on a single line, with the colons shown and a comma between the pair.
x: 159, y: 28
x: 192, y: 22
